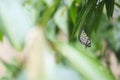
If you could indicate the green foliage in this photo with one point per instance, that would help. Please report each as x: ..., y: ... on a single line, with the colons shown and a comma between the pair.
x: 82, y: 63
x: 84, y: 15
x: 109, y: 7
x: 48, y: 12
x: 73, y: 12
x: 90, y: 15
x: 12, y: 70
x: 68, y: 17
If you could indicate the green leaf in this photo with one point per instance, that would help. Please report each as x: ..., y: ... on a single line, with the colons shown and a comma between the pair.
x: 1, y: 36
x: 95, y: 18
x: 98, y: 15
x: 109, y: 7
x: 48, y: 13
x: 61, y: 18
x: 84, y: 16
x: 117, y: 4
x: 88, y: 66
x: 73, y: 12
x: 12, y: 69
x: 50, y: 30
x: 1, y: 32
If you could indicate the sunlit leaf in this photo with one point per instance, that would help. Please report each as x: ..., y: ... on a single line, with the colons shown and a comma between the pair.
x: 15, y: 22
x: 50, y: 30
x: 61, y: 18
x: 68, y: 2
x: 48, y: 13
x: 89, y: 67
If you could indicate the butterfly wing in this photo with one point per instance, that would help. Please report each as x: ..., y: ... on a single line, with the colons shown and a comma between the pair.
x: 84, y: 39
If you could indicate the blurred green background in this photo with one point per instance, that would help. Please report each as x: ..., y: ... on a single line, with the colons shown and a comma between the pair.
x: 41, y: 39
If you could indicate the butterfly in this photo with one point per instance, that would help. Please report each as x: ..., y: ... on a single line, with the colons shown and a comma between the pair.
x: 84, y: 39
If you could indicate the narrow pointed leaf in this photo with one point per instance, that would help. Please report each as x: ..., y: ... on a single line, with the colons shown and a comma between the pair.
x: 109, y: 7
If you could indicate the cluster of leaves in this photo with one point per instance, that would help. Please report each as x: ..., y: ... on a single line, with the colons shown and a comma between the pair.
x: 90, y: 14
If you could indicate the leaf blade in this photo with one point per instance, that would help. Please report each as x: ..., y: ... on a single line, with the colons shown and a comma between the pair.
x: 109, y: 7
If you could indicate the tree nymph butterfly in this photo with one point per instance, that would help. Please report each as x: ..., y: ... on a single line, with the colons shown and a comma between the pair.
x: 84, y: 39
